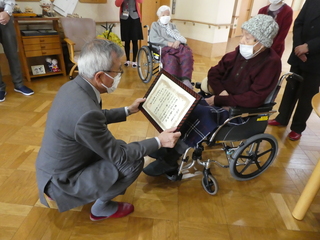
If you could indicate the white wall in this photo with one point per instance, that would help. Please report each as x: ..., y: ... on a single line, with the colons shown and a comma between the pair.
x: 208, y: 11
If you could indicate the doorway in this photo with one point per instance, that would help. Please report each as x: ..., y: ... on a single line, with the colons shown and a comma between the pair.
x: 149, y: 15
x: 241, y: 13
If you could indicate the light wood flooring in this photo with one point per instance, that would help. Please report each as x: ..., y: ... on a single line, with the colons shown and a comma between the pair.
x: 256, y: 209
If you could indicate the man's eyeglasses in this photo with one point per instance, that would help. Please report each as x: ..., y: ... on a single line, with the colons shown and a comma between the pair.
x: 120, y: 71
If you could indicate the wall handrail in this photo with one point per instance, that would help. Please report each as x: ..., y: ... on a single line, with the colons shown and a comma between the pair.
x: 219, y: 25
x: 108, y: 22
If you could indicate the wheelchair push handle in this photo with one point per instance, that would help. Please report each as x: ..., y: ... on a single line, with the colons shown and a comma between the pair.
x: 296, y: 76
x: 291, y: 76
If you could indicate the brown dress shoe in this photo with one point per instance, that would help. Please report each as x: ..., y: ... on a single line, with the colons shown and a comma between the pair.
x: 293, y: 136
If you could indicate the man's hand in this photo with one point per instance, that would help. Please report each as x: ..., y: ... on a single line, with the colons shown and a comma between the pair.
x: 210, y: 100
x: 303, y: 57
x: 134, y: 106
x: 4, y: 18
x: 169, y: 138
x: 301, y: 49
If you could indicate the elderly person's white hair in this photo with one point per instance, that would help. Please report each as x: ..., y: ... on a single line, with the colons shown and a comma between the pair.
x: 96, y: 56
x: 162, y: 9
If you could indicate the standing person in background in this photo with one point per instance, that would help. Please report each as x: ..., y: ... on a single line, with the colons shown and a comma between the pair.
x: 131, y: 30
x: 9, y: 43
x: 304, y: 60
x: 282, y: 14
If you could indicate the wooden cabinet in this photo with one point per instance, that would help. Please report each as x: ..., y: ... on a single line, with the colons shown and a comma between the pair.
x: 34, y: 50
x: 41, y: 46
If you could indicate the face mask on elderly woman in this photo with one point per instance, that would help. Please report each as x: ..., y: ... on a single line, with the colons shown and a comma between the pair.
x: 165, y: 19
x: 247, y: 50
x: 275, y: 1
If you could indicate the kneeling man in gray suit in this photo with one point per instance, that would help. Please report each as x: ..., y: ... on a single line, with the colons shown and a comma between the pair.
x: 80, y: 161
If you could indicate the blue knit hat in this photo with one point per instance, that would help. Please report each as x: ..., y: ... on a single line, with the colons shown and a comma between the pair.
x: 263, y: 27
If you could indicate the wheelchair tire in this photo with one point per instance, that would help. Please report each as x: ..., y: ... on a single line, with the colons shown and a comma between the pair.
x: 210, y: 184
x: 253, y: 157
x: 145, y: 64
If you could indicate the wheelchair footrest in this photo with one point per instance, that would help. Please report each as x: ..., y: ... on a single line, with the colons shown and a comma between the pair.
x: 173, y: 176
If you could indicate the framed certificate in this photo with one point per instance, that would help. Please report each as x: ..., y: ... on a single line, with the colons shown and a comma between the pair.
x: 168, y: 102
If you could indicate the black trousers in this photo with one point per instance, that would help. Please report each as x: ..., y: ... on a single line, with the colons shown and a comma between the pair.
x: 298, y: 94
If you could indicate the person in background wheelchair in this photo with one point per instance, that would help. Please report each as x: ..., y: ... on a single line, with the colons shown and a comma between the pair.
x: 176, y: 56
x: 242, y: 78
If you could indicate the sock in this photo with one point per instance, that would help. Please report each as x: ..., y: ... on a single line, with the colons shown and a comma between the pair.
x: 100, y: 208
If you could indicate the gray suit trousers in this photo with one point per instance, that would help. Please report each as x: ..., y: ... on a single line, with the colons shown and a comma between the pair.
x: 128, y: 173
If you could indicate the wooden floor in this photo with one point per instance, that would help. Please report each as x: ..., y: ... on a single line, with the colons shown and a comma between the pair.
x: 257, y: 209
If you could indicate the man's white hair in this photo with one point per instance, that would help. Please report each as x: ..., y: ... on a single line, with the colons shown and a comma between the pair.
x: 96, y: 56
x: 162, y: 9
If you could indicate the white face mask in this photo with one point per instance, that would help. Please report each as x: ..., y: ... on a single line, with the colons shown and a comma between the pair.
x: 165, y: 19
x: 115, y: 83
x: 247, y: 50
x: 275, y: 1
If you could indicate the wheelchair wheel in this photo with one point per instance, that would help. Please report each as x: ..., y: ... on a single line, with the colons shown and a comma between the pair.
x: 253, y: 157
x: 210, y: 184
x: 145, y: 64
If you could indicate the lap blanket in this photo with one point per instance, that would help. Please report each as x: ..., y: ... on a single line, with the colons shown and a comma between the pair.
x: 203, y: 120
x: 178, y: 62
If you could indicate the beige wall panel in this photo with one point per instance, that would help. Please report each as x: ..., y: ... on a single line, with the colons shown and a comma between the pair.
x: 207, y: 49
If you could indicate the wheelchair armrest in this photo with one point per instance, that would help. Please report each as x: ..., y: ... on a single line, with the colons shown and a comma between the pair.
x: 154, y: 47
x: 237, y: 111
x: 154, y: 44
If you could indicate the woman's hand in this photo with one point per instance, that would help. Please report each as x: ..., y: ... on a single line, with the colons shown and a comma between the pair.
x: 176, y: 44
x: 224, y: 93
x: 170, y: 44
x: 210, y: 100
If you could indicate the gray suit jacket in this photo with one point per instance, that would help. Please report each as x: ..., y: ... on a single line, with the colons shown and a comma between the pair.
x: 78, y: 150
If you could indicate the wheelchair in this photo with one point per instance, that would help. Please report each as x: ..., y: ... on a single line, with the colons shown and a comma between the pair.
x: 248, y: 149
x: 148, y: 60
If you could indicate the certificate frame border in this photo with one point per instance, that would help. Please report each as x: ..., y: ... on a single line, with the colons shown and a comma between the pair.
x: 179, y: 83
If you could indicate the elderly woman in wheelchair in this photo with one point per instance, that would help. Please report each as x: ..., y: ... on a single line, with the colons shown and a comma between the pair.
x: 176, y: 56
x: 243, y: 79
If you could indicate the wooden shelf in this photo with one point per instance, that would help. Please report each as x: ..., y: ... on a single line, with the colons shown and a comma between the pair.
x: 33, y: 50
x: 24, y: 14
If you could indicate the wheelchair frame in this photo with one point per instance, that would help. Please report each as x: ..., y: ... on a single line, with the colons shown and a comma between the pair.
x: 249, y: 151
x: 148, y: 60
